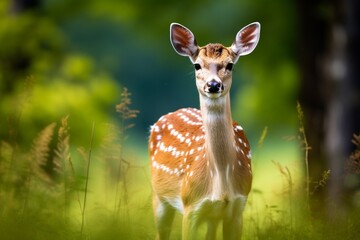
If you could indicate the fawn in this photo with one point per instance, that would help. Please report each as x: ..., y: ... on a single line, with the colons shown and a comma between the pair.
x: 201, y: 159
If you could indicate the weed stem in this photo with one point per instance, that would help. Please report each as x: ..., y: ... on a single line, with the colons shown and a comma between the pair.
x: 87, y: 180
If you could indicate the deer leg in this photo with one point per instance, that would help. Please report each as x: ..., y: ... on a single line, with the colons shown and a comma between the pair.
x: 232, y: 223
x: 211, y: 230
x: 232, y: 228
x: 164, y: 216
x: 189, y: 225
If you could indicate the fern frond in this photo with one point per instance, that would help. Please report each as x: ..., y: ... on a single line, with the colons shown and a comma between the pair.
x: 40, y: 151
x: 62, y: 150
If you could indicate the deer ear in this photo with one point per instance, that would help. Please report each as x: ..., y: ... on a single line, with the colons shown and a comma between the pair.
x: 246, y: 39
x: 183, y: 40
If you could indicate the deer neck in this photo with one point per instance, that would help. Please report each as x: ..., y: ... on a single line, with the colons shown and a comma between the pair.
x: 219, y: 136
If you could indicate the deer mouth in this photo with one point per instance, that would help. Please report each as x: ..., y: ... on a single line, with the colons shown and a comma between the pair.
x: 213, y: 95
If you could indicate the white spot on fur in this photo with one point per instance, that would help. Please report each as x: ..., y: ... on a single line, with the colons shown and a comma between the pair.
x: 239, y: 128
x: 249, y: 155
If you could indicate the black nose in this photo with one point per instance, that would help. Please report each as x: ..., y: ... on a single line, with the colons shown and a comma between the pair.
x: 214, y: 86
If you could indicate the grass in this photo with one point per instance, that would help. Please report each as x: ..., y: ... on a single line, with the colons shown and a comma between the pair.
x: 59, y: 191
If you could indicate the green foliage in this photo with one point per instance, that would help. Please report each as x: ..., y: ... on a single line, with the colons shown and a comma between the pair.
x: 84, y: 97
x: 40, y: 81
x: 44, y: 190
x: 33, y: 197
x: 29, y: 43
x: 69, y: 59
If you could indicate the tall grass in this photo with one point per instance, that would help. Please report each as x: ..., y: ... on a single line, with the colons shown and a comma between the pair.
x: 35, y: 187
x: 53, y: 192
x: 87, y: 181
x: 306, y: 147
x: 46, y: 190
x: 293, y: 217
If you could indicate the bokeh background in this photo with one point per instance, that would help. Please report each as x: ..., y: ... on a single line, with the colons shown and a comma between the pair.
x: 69, y: 63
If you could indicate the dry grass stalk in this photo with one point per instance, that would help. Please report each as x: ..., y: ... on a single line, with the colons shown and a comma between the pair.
x: 263, y: 136
x: 306, y: 147
x: 124, y: 107
x: 322, y: 182
x: 126, y: 114
x: 87, y: 180
x: 285, y: 172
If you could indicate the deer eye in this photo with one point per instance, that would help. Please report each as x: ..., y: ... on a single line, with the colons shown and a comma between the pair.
x: 197, y: 66
x: 229, y: 66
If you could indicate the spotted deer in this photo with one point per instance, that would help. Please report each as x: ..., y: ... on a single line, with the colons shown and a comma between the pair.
x: 201, y: 159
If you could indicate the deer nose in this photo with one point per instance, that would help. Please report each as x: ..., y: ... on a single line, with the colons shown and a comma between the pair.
x: 214, y: 86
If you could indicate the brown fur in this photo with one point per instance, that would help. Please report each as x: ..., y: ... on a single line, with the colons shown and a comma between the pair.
x: 215, y: 51
x: 200, y: 159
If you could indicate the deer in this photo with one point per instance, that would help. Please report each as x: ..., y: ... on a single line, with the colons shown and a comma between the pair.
x: 200, y: 159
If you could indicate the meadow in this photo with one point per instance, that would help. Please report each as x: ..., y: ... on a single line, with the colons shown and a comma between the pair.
x: 55, y: 190
x: 72, y: 164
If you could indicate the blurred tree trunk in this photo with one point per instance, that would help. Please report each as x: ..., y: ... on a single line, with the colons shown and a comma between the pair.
x: 352, y: 88
x: 329, y: 92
